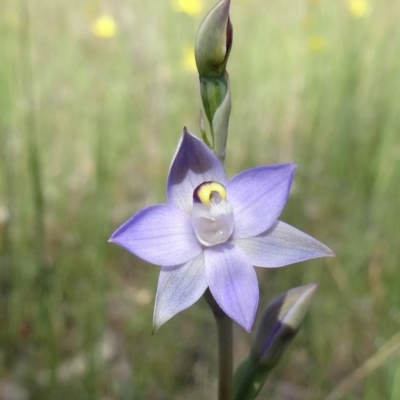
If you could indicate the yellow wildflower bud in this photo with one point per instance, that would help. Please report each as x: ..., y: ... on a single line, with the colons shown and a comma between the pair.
x: 104, y: 27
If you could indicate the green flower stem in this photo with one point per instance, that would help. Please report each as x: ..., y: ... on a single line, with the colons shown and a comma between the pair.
x: 249, y: 380
x: 225, y: 356
x: 213, y: 92
x: 216, y: 97
x: 220, y: 123
x: 225, y: 348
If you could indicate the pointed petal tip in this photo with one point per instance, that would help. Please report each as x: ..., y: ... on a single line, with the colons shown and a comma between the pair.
x: 248, y: 328
x: 112, y: 238
x: 245, y: 322
x: 288, y: 165
x: 328, y: 252
x: 251, y: 322
x: 293, y: 168
x: 186, y: 134
x: 246, y: 325
x: 155, y: 327
x: 323, y: 251
x: 157, y: 324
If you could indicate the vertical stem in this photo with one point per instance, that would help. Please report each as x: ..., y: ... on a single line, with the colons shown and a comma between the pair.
x: 225, y: 355
x: 220, y: 122
x: 225, y: 348
x: 34, y: 165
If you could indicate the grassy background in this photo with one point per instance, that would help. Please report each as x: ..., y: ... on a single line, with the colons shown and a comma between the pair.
x: 88, y: 127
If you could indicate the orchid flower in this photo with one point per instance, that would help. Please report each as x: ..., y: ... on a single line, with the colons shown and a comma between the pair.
x: 213, y: 230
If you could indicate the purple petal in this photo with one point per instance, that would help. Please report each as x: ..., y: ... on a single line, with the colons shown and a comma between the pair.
x: 233, y: 282
x: 258, y: 196
x: 193, y: 164
x: 282, y: 245
x: 160, y: 234
x: 178, y: 288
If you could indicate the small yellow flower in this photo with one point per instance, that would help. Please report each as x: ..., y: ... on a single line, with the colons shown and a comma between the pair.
x: 359, y: 8
x: 316, y: 44
x: 193, y: 8
x: 188, y: 60
x: 104, y: 26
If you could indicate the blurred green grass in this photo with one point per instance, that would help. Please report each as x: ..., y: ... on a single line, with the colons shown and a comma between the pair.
x: 88, y: 127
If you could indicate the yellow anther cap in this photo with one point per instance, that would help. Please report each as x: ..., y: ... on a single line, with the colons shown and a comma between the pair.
x: 209, y: 192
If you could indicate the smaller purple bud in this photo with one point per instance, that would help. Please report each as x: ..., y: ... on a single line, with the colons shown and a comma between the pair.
x: 280, y: 322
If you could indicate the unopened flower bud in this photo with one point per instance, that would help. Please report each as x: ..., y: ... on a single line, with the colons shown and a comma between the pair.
x: 212, y: 48
x: 214, y: 41
x: 279, y: 324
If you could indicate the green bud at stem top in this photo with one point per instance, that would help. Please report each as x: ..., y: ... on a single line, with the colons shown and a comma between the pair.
x: 212, y: 48
x: 214, y: 41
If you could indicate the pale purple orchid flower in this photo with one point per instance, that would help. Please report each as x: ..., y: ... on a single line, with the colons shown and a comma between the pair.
x: 212, y: 230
